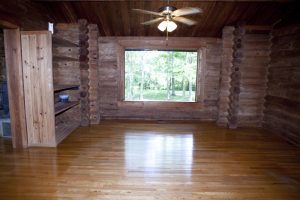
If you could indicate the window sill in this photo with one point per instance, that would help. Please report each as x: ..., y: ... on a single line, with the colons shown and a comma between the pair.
x: 158, y: 104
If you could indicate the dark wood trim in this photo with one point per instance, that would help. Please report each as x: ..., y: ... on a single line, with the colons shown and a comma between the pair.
x: 12, y: 42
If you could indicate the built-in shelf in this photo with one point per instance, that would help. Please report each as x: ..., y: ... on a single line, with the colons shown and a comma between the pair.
x: 61, y: 107
x: 60, y: 42
x: 62, y: 130
x: 61, y: 118
x: 58, y: 88
x: 58, y: 58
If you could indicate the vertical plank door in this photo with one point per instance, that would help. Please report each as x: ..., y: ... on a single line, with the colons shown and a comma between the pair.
x: 15, y: 87
x: 38, y: 87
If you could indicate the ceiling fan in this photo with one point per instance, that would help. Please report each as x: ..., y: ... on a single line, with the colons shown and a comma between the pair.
x: 168, y: 14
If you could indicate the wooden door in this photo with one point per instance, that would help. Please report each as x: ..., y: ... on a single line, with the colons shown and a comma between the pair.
x: 38, y: 87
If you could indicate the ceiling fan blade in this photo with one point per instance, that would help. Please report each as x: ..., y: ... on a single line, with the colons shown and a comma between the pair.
x: 184, y: 20
x: 186, y: 11
x: 153, y: 21
x: 147, y: 12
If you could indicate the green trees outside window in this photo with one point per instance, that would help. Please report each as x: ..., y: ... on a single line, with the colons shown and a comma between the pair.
x: 160, y: 75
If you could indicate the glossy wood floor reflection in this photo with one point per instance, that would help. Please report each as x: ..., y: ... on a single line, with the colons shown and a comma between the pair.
x: 147, y: 160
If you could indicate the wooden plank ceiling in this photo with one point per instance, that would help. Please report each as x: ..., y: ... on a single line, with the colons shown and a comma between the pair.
x: 115, y: 17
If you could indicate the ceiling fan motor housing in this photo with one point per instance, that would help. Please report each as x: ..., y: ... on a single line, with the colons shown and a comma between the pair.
x: 167, y: 9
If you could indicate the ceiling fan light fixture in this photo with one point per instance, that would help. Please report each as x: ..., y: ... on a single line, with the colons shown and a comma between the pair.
x: 162, y: 26
x: 169, y: 25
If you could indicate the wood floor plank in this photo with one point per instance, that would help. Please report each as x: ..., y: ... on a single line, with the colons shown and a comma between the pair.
x: 154, y: 161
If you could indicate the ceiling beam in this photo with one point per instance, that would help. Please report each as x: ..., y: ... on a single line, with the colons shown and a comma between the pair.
x: 7, y: 21
x: 258, y: 28
x: 7, y: 25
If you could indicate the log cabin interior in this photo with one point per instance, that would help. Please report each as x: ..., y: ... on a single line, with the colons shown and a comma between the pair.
x: 222, y: 123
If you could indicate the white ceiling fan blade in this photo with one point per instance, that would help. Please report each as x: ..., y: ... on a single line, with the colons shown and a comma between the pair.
x: 186, y: 11
x: 153, y: 21
x: 147, y: 12
x: 184, y: 20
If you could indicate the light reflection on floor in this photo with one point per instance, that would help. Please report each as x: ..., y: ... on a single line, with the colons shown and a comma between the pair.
x: 154, y: 152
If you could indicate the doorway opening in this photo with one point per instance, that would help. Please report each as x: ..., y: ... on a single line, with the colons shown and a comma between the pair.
x: 5, y: 128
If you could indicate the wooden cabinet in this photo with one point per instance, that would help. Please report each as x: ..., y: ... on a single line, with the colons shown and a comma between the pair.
x: 46, y: 118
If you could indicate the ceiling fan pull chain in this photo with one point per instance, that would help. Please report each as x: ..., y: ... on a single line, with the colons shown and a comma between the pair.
x: 167, y: 38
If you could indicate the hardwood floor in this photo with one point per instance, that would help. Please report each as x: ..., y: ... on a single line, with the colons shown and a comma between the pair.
x: 148, y: 160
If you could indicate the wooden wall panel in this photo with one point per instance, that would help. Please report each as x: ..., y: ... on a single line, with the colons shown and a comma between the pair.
x: 112, y: 107
x: 93, y: 35
x: 15, y: 84
x: 38, y: 87
x: 282, y: 110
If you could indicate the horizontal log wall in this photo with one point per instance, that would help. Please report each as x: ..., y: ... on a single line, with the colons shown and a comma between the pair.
x: 110, y: 80
x: 67, y: 71
x: 253, y: 69
x: 282, y: 106
x: 245, y: 59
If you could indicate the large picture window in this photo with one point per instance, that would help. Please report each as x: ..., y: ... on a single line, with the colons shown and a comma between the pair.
x: 160, y: 75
